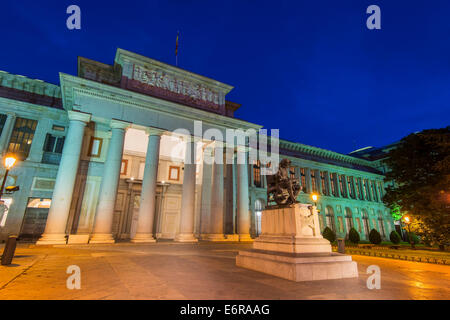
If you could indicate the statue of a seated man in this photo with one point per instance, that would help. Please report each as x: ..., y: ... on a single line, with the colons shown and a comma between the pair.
x: 282, y: 188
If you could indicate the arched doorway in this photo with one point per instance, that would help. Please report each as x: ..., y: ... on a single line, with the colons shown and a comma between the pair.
x: 365, y: 219
x: 348, y: 219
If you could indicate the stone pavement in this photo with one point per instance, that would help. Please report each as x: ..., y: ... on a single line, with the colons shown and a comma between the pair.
x: 168, y: 270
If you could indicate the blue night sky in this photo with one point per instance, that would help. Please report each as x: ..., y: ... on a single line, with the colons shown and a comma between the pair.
x: 309, y: 68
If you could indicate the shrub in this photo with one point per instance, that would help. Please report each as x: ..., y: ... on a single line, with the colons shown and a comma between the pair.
x: 374, y: 237
x: 353, y: 235
x: 394, y: 237
x: 414, y: 238
x: 329, y: 234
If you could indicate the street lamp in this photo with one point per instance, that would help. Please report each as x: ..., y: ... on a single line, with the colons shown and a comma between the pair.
x: 407, y: 221
x: 10, y: 160
x: 315, y: 197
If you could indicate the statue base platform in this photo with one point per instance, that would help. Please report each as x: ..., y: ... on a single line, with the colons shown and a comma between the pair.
x: 291, y: 247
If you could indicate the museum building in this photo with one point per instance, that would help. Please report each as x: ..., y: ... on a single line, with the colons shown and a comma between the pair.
x: 99, y: 161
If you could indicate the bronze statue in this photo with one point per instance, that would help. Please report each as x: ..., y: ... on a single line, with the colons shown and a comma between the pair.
x: 281, y: 188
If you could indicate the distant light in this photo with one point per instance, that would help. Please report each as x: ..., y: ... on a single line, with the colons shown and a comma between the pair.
x: 9, y: 162
x: 314, y: 197
x: 406, y: 219
x: 258, y: 213
x: 132, y: 178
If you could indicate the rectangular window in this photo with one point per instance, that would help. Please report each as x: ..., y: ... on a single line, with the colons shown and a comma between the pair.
x: 303, y: 179
x: 21, y: 137
x: 380, y: 190
x: 323, y: 183
x: 366, y: 190
x: 257, y: 174
x: 292, y: 173
x: 124, y: 166
x: 95, y: 147
x: 174, y: 173
x: 350, y: 187
x: 313, y: 181
x: 53, y: 143
x: 374, y: 192
x: 342, y: 186
x: 358, y: 188
x: 333, y: 184
x: 2, y: 122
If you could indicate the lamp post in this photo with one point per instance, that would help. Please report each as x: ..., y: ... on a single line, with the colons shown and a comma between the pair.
x: 407, y: 221
x: 10, y: 160
x: 315, y: 197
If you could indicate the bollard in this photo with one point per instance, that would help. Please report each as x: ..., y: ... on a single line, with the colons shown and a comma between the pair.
x: 8, y: 252
x: 341, y: 245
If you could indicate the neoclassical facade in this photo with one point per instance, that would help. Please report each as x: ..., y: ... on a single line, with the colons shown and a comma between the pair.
x: 116, y: 153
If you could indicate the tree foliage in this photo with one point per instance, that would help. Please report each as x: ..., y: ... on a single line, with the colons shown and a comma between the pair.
x: 374, y: 236
x: 419, y: 179
x: 329, y: 234
x: 353, y: 235
x: 395, y: 237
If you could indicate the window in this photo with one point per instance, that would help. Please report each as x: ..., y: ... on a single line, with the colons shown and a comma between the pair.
x: 323, y: 183
x: 2, y: 122
x: 342, y: 186
x: 365, y: 219
x: 21, y: 137
x: 124, y: 166
x: 358, y: 188
x: 329, y: 213
x: 58, y: 128
x: 348, y: 218
x: 333, y: 184
x: 380, y: 189
x: 292, y: 173
x: 374, y: 191
x: 350, y: 187
x: 95, y: 147
x: 340, y: 224
x: 358, y: 225
x: 257, y: 174
x: 313, y: 181
x: 381, y: 223
x: 174, y: 173
x: 366, y: 190
x: 53, y: 143
x: 303, y: 179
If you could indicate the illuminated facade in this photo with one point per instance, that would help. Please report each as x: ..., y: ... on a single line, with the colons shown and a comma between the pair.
x: 100, y: 163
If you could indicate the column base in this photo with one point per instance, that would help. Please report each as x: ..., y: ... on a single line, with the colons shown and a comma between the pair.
x: 143, y: 238
x: 215, y: 237
x: 101, y: 238
x: 245, y: 238
x: 185, y: 237
x: 52, y: 238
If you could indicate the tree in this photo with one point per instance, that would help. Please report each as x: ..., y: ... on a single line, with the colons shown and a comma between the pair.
x: 329, y: 234
x: 395, y: 237
x: 353, y: 235
x: 419, y: 179
x: 374, y: 236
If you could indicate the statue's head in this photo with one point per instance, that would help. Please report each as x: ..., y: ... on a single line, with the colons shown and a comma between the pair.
x: 285, y: 163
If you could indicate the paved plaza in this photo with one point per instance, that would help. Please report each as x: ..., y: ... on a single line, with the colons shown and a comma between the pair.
x: 168, y: 270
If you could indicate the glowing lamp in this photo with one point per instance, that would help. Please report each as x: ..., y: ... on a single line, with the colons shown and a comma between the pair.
x: 9, y: 162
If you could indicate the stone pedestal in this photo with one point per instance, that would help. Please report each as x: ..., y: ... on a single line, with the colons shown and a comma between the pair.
x: 291, y: 247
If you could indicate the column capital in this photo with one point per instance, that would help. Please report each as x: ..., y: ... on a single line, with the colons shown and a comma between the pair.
x: 154, y: 131
x: 119, y: 124
x: 79, y: 116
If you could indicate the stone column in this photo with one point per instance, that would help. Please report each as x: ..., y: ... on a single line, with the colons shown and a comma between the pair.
x: 328, y: 182
x: 144, y: 231
x: 207, y: 173
x: 55, y: 229
x: 7, y: 131
x: 216, y: 232
x: 187, y: 218
x: 338, y: 186
x: 243, y: 209
x: 110, y: 182
x: 308, y: 180
x: 318, y: 181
